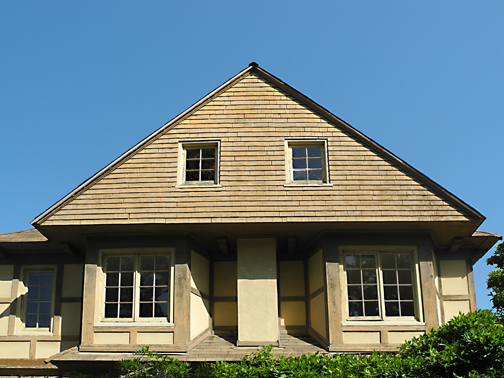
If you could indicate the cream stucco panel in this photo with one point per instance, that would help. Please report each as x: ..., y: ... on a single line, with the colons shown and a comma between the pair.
x: 18, y: 349
x: 454, y: 277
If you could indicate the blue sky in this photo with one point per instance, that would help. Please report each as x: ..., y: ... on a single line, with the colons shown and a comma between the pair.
x: 83, y: 81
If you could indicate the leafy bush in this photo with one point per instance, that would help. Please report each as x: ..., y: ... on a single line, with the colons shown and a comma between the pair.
x: 153, y: 365
x: 469, y: 346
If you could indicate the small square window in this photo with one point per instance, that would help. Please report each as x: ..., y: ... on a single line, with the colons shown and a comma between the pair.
x: 199, y: 164
x: 306, y: 162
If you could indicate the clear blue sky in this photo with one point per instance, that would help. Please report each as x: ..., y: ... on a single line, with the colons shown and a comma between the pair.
x: 83, y: 81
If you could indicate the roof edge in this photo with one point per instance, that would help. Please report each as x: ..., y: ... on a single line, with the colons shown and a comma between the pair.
x: 49, y: 211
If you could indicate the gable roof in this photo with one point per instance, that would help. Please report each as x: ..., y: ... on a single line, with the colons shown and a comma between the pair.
x: 452, y: 208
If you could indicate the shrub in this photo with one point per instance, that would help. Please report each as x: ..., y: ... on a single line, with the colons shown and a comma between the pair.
x: 153, y: 365
x: 468, y: 344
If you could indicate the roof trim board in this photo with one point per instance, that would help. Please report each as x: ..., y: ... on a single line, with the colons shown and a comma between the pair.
x: 309, y: 103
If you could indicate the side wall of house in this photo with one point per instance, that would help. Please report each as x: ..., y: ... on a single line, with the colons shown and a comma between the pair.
x: 201, y: 322
x: 18, y: 340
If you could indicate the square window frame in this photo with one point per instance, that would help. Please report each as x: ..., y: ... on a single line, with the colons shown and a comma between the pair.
x: 183, y: 146
x: 299, y: 143
x: 417, y: 319
x: 135, y: 319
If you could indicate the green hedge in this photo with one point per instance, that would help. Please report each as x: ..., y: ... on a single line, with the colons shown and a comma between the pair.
x: 470, y: 345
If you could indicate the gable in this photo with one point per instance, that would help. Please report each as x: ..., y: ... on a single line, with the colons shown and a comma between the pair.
x: 251, y: 117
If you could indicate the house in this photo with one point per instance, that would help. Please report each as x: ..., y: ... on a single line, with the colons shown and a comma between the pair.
x: 254, y: 217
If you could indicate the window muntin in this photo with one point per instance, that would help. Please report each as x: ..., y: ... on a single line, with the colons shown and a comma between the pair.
x: 306, y: 162
x: 380, y: 285
x: 137, y: 286
x: 200, y: 164
x: 38, y: 305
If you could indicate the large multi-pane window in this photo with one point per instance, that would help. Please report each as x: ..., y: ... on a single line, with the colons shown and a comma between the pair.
x: 380, y: 285
x: 137, y: 286
x: 200, y: 164
x: 39, y: 298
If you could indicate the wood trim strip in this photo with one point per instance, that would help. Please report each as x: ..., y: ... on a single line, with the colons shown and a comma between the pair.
x: 385, y: 328
x: 460, y: 297
x: 317, y: 292
x: 119, y: 329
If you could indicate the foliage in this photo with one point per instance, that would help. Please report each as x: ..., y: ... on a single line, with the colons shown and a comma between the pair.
x: 495, y: 281
x: 153, y: 365
x: 470, y: 345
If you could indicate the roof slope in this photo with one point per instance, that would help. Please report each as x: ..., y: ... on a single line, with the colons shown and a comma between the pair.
x: 252, y: 115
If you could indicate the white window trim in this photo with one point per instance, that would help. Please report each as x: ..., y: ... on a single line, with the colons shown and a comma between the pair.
x: 418, y: 319
x: 289, y: 144
x: 182, y: 147
x: 21, y: 307
x: 101, y: 320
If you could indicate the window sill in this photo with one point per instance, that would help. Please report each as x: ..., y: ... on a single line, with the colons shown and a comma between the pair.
x: 387, y: 322
x: 192, y: 186
x: 152, y: 323
x: 305, y: 183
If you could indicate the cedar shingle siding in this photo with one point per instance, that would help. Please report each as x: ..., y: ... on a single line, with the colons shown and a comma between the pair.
x: 252, y: 119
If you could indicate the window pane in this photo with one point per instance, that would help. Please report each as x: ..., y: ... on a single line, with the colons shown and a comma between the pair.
x: 392, y: 308
x: 298, y: 163
x: 193, y: 153
x: 388, y: 260
x: 127, y: 264
x: 390, y: 293
x: 146, y: 310
x: 125, y: 310
x: 299, y: 175
x: 33, y: 292
x: 112, y: 279
x: 31, y: 307
x: 370, y: 292
x: 146, y: 278
x: 354, y: 277
x: 126, y: 295
x: 369, y: 276
x: 404, y: 261
x: 315, y: 175
x: 371, y: 308
x: 406, y: 292
x: 314, y: 152
x: 298, y: 152
x: 112, y: 264
x: 45, y: 292
x: 111, y: 310
x: 389, y: 277
x: 44, y: 321
x: 45, y: 307
x: 161, y: 294
x: 33, y: 278
x: 192, y: 175
x: 162, y: 279
x: 46, y: 278
x: 368, y: 261
x: 193, y: 165
x: 314, y: 163
x: 162, y: 262
x: 147, y: 263
x: 407, y: 309
x: 31, y: 321
x: 127, y: 279
x: 404, y: 276
x: 146, y: 294
x: 355, y: 309
x: 354, y: 292
x: 208, y: 153
x: 161, y: 310
x: 352, y: 261
x: 208, y: 164
x: 111, y: 295
x: 208, y: 175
